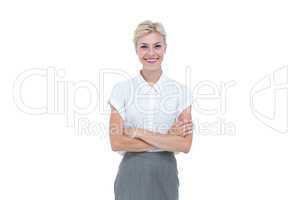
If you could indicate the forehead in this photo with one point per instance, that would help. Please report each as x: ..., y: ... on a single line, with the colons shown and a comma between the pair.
x: 151, y: 38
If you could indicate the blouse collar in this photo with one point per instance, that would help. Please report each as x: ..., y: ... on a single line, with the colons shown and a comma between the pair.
x: 157, y: 86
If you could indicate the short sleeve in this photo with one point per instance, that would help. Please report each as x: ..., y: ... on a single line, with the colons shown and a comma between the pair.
x: 185, y: 99
x: 117, y: 98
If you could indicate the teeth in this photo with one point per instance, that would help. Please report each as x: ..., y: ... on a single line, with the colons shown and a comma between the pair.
x: 151, y: 60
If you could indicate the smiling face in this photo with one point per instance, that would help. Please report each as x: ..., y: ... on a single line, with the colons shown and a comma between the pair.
x: 150, y: 49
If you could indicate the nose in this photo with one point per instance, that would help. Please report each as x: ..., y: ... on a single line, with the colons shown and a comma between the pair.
x: 151, y: 51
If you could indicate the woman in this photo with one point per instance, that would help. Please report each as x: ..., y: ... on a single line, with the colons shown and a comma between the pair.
x: 150, y: 120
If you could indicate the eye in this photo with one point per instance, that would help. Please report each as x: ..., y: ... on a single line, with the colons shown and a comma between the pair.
x: 157, y: 46
x: 143, y: 46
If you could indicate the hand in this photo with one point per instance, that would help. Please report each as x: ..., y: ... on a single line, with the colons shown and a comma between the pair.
x: 181, y: 128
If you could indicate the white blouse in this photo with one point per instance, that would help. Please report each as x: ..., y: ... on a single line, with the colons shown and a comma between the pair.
x: 154, y: 108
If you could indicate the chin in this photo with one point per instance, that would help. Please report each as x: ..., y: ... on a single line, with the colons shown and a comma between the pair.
x: 148, y: 66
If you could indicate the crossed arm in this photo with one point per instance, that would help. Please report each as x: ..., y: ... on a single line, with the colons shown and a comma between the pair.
x: 178, y: 139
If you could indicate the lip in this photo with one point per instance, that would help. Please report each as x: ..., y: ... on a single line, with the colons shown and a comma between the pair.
x: 151, y: 60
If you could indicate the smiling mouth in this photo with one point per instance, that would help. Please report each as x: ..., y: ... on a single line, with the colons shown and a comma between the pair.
x: 151, y: 60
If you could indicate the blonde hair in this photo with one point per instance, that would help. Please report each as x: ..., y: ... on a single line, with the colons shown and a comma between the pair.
x: 146, y: 27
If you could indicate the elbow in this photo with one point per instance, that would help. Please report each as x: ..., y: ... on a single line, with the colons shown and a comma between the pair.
x: 114, y: 148
x: 186, y: 150
x: 187, y: 147
x: 114, y: 144
x: 187, y: 144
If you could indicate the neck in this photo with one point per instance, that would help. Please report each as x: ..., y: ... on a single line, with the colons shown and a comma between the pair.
x: 151, y: 76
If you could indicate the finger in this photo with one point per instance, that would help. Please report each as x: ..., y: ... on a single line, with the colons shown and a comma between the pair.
x: 188, y: 130
x: 183, y: 121
x: 187, y: 122
x: 188, y: 125
x: 188, y: 133
x: 178, y: 123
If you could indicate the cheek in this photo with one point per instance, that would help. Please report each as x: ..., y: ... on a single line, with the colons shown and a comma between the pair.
x: 161, y: 52
x: 140, y: 53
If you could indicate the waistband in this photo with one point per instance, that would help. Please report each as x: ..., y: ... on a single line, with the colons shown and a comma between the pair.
x: 163, y: 160
x: 160, y: 155
x: 149, y: 153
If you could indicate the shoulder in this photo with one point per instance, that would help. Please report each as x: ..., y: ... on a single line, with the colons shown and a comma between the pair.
x: 125, y: 85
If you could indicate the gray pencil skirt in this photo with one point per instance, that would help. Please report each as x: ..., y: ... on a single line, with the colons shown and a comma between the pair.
x: 147, y: 176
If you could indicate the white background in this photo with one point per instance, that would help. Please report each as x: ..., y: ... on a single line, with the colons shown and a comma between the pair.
x: 46, y: 156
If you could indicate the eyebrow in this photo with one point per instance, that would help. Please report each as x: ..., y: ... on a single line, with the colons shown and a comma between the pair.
x: 148, y: 44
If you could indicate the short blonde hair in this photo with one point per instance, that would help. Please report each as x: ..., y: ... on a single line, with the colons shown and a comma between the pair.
x: 146, y: 27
